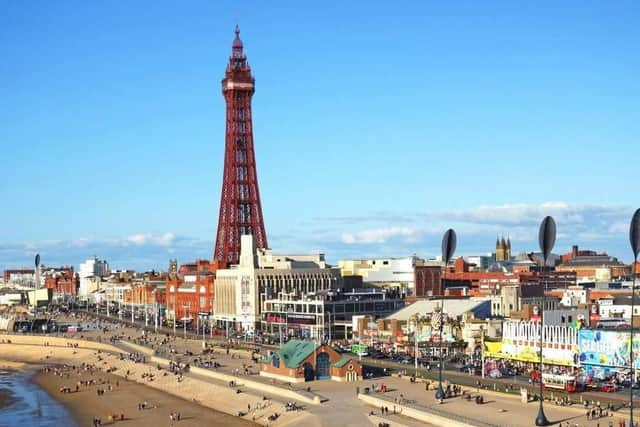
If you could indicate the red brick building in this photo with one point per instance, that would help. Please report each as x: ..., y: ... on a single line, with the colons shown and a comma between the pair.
x: 61, y: 280
x: 426, y: 280
x: 191, y: 290
x: 300, y: 361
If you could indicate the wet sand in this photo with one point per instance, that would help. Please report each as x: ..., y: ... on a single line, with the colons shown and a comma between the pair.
x: 85, y: 404
x: 6, y: 398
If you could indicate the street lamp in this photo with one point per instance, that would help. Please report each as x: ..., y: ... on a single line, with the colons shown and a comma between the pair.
x: 287, y: 312
x: 184, y: 319
x: 448, y: 248
x: 203, y: 332
x: 146, y: 315
x: 155, y: 310
x: 546, y: 239
x: 415, y: 338
x: 175, y: 311
x: 35, y: 289
x: 634, y: 238
x: 132, y: 319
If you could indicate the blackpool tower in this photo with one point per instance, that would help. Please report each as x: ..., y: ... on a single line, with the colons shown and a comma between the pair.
x: 240, y: 208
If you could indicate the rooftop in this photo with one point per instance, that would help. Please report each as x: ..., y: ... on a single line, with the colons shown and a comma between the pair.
x: 593, y: 260
x: 295, y: 351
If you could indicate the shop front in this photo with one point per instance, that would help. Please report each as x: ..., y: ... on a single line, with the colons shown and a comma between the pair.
x: 604, y: 354
x: 519, y: 350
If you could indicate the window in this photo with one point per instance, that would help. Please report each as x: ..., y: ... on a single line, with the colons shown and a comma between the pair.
x: 570, y: 319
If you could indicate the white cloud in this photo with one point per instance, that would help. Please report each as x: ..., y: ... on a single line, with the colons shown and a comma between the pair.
x: 597, y: 227
x: 138, y: 250
x: 379, y: 235
x: 520, y: 214
x: 140, y: 239
x: 619, y: 227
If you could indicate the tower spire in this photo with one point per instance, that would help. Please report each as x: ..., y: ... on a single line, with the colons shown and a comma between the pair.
x: 237, y: 43
x: 240, y: 207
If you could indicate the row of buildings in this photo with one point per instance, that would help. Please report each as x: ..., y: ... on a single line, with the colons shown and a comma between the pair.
x: 305, y: 296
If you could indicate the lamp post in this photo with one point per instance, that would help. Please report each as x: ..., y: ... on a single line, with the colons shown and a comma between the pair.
x: 146, y: 314
x: 634, y: 238
x: 482, y: 350
x: 315, y: 351
x: 184, y: 319
x: 203, y: 333
x: 546, y: 239
x: 448, y: 248
x: 155, y: 311
x: 280, y: 326
x: 35, y: 289
x: 288, y: 310
x: 175, y: 313
x: 415, y: 354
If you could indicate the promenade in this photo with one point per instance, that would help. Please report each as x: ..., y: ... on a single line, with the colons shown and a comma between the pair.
x: 328, y: 403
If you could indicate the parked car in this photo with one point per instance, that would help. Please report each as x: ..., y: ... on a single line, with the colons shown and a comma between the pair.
x: 495, y: 373
x: 608, y: 387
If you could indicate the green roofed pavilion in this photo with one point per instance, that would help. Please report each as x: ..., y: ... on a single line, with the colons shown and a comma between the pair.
x: 294, y: 352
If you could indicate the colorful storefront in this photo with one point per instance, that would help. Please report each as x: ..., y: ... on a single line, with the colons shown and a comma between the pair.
x: 605, y: 353
x: 521, y: 343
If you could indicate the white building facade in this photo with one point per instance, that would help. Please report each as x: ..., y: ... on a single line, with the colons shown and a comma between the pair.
x: 386, y: 272
x: 90, y: 272
x: 260, y: 275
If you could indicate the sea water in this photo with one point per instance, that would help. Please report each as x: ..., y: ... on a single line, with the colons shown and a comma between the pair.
x: 31, y: 406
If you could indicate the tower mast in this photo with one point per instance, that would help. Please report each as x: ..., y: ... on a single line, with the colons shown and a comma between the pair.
x: 240, y: 207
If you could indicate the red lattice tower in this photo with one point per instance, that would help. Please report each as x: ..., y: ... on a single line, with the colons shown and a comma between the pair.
x: 240, y: 208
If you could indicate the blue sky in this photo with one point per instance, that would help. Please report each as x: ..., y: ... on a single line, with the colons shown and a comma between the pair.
x: 378, y: 125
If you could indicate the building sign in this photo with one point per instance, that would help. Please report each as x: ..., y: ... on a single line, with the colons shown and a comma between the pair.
x: 526, y: 353
x: 302, y: 319
x: 607, y: 348
x: 274, y: 317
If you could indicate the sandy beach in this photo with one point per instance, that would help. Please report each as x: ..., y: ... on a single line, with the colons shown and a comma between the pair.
x: 199, y: 400
x: 123, y: 399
